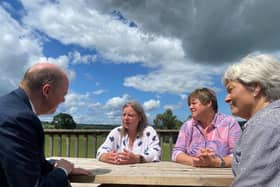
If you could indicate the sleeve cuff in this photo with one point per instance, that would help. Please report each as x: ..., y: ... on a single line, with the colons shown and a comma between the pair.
x: 65, y: 171
x: 175, y: 154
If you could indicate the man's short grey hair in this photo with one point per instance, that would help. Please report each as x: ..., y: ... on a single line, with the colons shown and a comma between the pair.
x: 262, y: 69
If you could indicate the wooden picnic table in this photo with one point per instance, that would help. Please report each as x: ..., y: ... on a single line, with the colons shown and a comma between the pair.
x: 164, y: 173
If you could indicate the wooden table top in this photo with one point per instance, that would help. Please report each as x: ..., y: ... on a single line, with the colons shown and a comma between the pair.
x: 164, y: 173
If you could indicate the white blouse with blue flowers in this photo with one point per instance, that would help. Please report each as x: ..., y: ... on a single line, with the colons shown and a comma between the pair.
x: 147, y: 145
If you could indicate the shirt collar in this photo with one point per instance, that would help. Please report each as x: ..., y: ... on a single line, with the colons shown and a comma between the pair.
x: 32, y: 106
x: 213, y: 123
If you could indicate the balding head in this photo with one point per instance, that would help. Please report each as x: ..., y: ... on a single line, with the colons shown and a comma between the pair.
x: 40, y: 74
x: 46, y: 86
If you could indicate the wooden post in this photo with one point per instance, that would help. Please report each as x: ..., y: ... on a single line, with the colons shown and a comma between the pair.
x: 68, y: 145
x: 76, y: 145
x: 94, y: 146
x: 59, y: 152
x: 86, y: 146
x: 51, y: 145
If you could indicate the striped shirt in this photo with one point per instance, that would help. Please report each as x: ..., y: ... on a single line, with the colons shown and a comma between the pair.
x: 221, y: 136
x: 256, y: 156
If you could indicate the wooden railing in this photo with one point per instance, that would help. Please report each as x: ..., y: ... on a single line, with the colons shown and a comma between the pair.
x: 84, y: 143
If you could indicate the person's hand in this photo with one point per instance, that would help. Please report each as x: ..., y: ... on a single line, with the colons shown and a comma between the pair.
x: 127, y: 157
x: 80, y: 171
x: 194, y: 161
x: 62, y: 163
x: 110, y: 157
x: 207, y: 158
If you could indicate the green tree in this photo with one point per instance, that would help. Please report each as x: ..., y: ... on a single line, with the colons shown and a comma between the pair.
x: 167, y: 121
x: 64, y: 121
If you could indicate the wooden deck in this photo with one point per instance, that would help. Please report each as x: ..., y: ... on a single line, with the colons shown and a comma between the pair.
x: 162, y: 173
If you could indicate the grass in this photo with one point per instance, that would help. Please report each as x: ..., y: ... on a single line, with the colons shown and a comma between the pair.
x: 81, y: 153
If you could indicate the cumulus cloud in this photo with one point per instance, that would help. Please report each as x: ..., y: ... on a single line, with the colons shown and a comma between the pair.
x: 165, y: 43
x: 108, y: 113
x: 21, y: 47
x: 151, y: 104
x: 216, y: 32
x: 113, y: 39
x: 74, y: 99
x: 168, y: 79
x: 77, y: 58
x: 117, y: 102
x: 18, y: 47
x: 85, y: 110
x: 183, y: 45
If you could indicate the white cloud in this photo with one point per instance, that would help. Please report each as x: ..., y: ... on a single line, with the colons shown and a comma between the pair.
x: 77, y: 58
x: 113, y: 39
x: 114, y: 107
x: 84, y: 109
x: 174, y: 78
x: 77, y: 105
x: 74, y: 99
x: 117, y: 102
x: 99, y: 92
x: 168, y: 44
x: 114, y: 115
x: 81, y: 23
x: 151, y: 104
x: 18, y: 47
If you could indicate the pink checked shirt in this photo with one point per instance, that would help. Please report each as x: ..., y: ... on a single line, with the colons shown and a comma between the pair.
x: 220, y: 137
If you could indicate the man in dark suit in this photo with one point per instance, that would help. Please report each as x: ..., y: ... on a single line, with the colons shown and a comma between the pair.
x: 22, y: 159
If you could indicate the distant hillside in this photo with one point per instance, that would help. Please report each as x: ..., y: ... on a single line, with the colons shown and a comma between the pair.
x: 48, y: 125
x: 96, y: 126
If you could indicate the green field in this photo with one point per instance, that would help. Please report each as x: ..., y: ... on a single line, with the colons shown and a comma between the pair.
x: 81, y: 152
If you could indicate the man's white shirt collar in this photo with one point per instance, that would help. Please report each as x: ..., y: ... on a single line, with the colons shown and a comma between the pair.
x: 32, y: 106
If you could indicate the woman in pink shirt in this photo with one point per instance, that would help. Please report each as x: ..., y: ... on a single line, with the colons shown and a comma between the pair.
x: 208, y: 138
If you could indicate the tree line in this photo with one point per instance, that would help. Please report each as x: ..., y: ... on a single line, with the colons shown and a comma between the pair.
x: 165, y: 120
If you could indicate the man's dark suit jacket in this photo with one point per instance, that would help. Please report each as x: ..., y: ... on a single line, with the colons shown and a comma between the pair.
x: 22, y: 159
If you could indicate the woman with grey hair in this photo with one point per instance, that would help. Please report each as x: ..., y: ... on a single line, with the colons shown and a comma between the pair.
x: 133, y: 142
x: 253, y: 87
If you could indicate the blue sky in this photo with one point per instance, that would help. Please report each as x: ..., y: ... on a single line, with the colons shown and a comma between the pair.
x: 154, y: 52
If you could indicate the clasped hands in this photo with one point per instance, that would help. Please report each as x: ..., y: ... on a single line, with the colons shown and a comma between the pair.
x: 125, y: 157
x: 206, y: 158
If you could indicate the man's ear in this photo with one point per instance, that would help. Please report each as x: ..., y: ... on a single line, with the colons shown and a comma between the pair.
x: 46, y: 90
